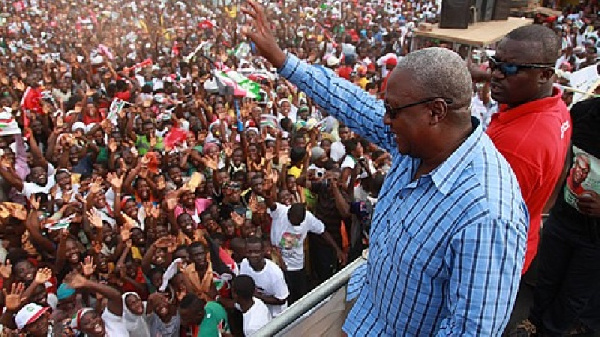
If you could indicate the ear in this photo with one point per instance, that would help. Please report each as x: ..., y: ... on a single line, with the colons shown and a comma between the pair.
x: 546, y: 75
x: 438, y: 111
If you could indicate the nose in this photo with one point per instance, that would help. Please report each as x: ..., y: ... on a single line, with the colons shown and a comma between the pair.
x: 496, y: 73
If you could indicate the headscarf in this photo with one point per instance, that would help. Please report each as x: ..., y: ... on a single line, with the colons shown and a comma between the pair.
x: 283, y: 100
x: 136, y: 324
x: 209, y: 146
x: 76, y: 321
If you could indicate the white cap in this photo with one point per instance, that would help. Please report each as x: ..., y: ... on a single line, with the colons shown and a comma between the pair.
x: 78, y: 125
x: 332, y: 61
x: 29, y: 314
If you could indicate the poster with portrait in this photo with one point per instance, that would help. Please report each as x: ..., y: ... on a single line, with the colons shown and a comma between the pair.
x: 584, y: 176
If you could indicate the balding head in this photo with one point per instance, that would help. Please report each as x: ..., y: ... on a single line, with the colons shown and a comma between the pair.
x: 439, y: 72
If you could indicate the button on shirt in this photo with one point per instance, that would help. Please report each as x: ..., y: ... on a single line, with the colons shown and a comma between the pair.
x: 446, y: 250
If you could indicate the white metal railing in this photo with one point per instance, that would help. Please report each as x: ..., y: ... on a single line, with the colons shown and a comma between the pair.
x: 320, y: 311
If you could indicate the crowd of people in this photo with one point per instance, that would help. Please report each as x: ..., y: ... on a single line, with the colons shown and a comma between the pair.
x: 142, y: 196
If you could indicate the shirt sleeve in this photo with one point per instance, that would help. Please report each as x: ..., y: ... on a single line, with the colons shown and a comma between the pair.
x: 278, y: 212
x: 314, y: 225
x: 28, y: 189
x: 342, y: 99
x: 21, y: 166
x: 485, y: 260
x: 356, y: 282
x: 51, y: 171
x: 528, y: 173
x: 281, y: 288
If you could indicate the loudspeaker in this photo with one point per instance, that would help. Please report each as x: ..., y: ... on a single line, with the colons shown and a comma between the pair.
x: 485, y: 10
x: 501, y: 10
x: 455, y: 14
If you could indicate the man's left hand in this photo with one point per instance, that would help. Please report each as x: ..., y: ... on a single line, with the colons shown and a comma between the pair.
x: 589, y: 203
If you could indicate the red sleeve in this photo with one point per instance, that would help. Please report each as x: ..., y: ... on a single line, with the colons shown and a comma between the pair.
x: 527, y: 172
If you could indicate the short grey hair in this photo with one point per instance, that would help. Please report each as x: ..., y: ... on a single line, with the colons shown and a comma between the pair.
x: 439, y: 72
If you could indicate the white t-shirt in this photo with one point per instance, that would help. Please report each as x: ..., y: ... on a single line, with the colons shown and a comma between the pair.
x: 338, y: 150
x: 289, y: 238
x: 350, y: 162
x: 256, y: 317
x: 30, y: 189
x: 269, y: 281
x: 74, y: 190
x: 114, y: 325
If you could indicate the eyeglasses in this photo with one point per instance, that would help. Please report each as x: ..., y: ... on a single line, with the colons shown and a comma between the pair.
x: 509, y: 68
x: 393, y: 112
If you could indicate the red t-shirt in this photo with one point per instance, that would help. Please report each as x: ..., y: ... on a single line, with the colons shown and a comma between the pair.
x: 534, y: 138
x: 344, y: 72
x: 385, y: 80
x: 123, y: 95
x: 139, y: 278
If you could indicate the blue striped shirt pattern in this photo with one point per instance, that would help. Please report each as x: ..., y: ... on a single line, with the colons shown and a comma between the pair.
x: 446, y: 250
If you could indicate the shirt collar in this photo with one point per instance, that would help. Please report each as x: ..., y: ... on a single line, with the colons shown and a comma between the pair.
x: 445, y: 175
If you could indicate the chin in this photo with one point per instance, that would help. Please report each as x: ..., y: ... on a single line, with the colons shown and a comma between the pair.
x: 402, y: 150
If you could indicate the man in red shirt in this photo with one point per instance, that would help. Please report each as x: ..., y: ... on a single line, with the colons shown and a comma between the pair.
x: 533, y: 128
x: 390, y: 64
x: 346, y: 70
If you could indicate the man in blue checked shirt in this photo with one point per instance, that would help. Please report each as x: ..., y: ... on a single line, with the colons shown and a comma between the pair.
x: 449, y: 232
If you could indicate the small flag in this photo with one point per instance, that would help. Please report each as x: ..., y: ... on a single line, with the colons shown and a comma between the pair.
x: 175, y: 137
x: 104, y: 50
x: 115, y: 108
x: 192, y: 54
x: 53, y: 225
x: 242, y: 86
x: 144, y: 63
x: 31, y: 102
x: 267, y: 120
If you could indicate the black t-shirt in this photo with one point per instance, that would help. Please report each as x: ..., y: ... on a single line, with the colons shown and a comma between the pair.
x: 326, y: 210
x: 584, y: 167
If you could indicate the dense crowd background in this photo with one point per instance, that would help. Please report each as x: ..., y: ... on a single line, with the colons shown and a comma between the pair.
x: 135, y: 188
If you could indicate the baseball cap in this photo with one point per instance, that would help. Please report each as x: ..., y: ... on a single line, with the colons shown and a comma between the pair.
x: 333, y: 61
x: 29, y: 314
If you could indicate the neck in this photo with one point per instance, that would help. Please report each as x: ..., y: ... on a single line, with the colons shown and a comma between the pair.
x: 259, y: 266
x: 167, y: 318
x: 245, y: 305
x: 441, y: 151
x: 542, y: 94
x: 201, y: 271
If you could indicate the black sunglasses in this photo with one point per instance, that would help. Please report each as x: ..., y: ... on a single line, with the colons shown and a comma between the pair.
x: 509, y: 68
x: 393, y: 112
